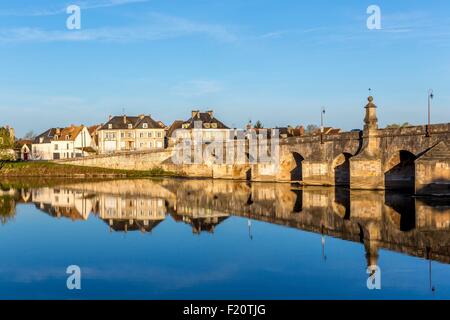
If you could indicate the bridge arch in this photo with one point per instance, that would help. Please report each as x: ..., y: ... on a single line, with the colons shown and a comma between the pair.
x: 399, y: 170
x: 296, y: 172
x: 291, y: 167
x: 341, y: 168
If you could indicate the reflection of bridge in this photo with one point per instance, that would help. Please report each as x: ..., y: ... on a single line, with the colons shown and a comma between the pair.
x: 415, y: 226
x: 416, y: 157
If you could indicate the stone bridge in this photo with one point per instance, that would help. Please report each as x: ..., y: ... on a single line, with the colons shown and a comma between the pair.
x: 415, y: 158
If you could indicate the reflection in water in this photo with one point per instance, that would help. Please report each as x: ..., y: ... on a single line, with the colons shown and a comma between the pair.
x: 393, y: 221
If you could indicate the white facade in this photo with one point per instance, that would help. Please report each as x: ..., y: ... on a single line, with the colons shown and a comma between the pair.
x: 67, y: 143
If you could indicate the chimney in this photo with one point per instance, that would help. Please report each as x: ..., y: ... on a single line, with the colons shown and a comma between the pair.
x: 210, y: 112
x: 195, y: 113
x: 110, y: 117
x: 124, y: 119
x: 141, y: 116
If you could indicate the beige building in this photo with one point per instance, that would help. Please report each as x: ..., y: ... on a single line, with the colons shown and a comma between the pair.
x: 201, y: 125
x: 124, y: 133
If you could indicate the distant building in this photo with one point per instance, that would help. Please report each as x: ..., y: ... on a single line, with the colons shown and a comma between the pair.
x: 93, y: 132
x: 202, y: 125
x: 282, y: 132
x: 61, y: 143
x: 23, y: 149
x: 125, y: 133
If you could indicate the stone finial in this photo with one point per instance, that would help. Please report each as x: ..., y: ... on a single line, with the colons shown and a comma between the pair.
x: 370, y: 120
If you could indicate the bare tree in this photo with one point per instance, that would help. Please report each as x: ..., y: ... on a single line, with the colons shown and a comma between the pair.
x: 29, y: 135
x: 310, y: 128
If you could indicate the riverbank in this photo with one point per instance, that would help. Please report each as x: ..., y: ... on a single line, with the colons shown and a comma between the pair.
x: 49, y: 169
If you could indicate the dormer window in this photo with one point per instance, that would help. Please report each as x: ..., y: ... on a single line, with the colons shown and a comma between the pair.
x: 214, y: 125
x: 130, y: 126
x: 109, y: 125
x: 67, y: 137
x: 207, y: 126
x: 145, y: 125
x: 41, y: 140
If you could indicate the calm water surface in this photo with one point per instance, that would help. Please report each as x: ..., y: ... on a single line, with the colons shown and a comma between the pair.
x: 189, y: 239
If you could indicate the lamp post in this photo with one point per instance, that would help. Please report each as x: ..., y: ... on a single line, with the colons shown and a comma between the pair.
x: 322, y: 112
x: 430, y: 97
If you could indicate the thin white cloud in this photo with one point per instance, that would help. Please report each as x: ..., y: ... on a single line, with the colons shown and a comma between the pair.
x: 158, y: 27
x: 55, y: 10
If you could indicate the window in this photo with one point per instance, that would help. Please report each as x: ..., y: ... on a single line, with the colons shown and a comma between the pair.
x: 68, y: 147
x: 150, y: 134
x: 122, y: 135
x: 145, y: 125
x: 150, y: 144
x: 110, y: 136
x: 130, y: 126
x: 109, y: 125
x: 141, y: 135
x: 56, y: 147
x: 159, y: 134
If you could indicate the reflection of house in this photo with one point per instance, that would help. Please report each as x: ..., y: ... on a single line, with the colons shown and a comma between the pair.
x: 201, y: 219
x: 63, y: 203
x: 61, y: 143
x: 201, y: 125
x: 124, y: 133
x: 126, y: 214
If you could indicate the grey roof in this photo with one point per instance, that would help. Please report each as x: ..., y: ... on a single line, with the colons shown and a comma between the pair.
x: 47, y: 136
x: 177, y: 124
x: 122, y: 122
x: 204, y: 117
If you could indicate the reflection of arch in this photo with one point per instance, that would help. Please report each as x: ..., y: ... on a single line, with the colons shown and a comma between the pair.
x: 403, y: 213
x: 248, y: 172
x: 296, y: 167
x: 341, y: 204
x: 399, y: 171
x: 341, y: 167
x: 298, y: 206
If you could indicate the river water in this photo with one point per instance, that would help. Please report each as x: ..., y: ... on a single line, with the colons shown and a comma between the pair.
x: 214, y: 239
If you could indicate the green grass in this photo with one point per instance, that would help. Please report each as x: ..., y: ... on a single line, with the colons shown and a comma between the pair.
x: 49, y: 169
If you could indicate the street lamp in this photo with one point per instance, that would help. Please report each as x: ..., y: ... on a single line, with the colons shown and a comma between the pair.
x: 430, y: 97
x: 322, y: 112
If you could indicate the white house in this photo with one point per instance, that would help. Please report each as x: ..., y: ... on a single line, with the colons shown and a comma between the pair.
x: 61, y: 143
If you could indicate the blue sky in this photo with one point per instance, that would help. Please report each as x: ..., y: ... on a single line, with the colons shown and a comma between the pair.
x: 278, y: 61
